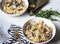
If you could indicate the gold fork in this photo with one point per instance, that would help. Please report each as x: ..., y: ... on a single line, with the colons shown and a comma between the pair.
x: 17, y: 36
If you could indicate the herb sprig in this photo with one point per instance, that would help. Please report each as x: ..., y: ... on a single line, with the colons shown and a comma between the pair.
x: 47, y: 14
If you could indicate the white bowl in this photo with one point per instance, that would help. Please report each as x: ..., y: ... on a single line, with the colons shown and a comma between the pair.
x: 46, y: 21
x: 27, y: 4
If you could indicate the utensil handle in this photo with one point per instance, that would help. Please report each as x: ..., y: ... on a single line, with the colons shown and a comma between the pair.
x: 20, y: 41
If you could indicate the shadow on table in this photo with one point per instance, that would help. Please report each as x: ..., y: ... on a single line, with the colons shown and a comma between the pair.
x: 56, y: 38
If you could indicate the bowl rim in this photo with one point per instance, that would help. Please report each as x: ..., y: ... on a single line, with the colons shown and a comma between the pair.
x: 27, y: 4
x: 44, y: 41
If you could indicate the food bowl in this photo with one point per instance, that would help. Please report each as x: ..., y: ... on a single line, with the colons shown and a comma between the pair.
x: 13, y: 8
x: 47, y: 22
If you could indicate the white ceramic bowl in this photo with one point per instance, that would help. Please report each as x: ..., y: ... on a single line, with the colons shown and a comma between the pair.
x: 27, y: 4
x: 46, y: 21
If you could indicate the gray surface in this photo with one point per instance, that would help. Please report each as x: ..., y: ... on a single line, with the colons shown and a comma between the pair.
x: 5, y: 22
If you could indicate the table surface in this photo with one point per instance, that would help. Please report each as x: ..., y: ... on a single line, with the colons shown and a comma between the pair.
x: 6, y: 21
